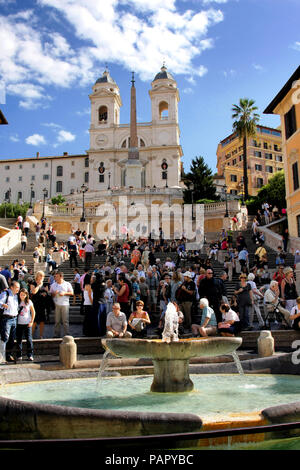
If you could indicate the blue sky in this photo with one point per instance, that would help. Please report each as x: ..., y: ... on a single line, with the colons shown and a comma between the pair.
x: 52, y: 52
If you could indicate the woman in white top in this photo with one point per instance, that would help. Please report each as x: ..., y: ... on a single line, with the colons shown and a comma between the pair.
x: 89, y: 313
x: 24, y: 325
x: 230, y: 324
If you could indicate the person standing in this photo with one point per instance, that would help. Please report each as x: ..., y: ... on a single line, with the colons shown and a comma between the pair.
x: 187, y: 296
x: 39, y: 296
x: 88, y: 250
x: 23, y: 242
x: 24, y: 324
x: 285, y: 239
x: 288, y: 289
x: 9, y: 302
x: 61, y: 292
x: 73, y: 250
x: 244, y: 300
x: 210, y: 288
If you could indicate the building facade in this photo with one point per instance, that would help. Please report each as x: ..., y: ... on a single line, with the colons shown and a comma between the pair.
x: 103, y: 167
x: 264, y: 159
x: 287, y: 104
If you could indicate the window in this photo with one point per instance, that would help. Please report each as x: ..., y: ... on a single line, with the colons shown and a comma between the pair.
x: 269, y: 169
x: 234, y: 192
x: 278, y: 158
x: 142, y: 143
x: 268, y: 156
x: 276, y: 148
x: 19, y: 195
x: 33, y: 165
x: 72, y: 176
x: 260, y: 182
x: 257, y: 154
x: 258, y: 167
x: 73, y: 163
x: 103, y: 113
x: 233, y: 178
x: 45, y: 177
x: 124, y: 143
x: 46, y: 165
x: 20, y: 178
x: 33, y: 194
x: 7, y: 179
x: 59, y: 186
x: 101, y: 178
x: 241, y: 157
x: 234, y: 162
x: 298, y: 224
x: 86, y: 177
x: 295, y: 176
x: 290, y: 122
x: 266, y: 145
x: 86, y: 162
x: 59, y: 171
x: 163, y: 110
x: 32, y: 177
x: 6, y: 167
x: 20, y: 166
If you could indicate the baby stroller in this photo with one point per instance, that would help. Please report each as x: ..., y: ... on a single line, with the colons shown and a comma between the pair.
x: 274, y: 315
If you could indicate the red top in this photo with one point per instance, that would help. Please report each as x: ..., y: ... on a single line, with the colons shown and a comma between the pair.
x: 124, y: 297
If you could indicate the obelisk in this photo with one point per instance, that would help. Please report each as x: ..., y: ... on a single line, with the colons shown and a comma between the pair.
x: 133, y: 165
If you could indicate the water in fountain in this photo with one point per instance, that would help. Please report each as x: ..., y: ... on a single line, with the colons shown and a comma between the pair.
x: 237, y: 363
x: 103, y: 365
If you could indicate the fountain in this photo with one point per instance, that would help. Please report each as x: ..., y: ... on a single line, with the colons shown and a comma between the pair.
x: 171, y: 356
x: 171, y: 360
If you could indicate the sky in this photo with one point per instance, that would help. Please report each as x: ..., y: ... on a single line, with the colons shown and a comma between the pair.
x: 218, y: 51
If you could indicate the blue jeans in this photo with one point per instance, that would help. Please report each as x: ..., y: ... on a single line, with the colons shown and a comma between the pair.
x: 26, y: 331
x: 8, y: 333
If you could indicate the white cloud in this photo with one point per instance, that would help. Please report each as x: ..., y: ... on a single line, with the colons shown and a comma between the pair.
x: 258, y: 67
x: 188, y: 91
x: 229, y: 73
x: 64, y: 136
x: 14, y: 138
x: 84, y: 112
x: 296, y: 46
x: 137, y: 34
x: 35, y: 139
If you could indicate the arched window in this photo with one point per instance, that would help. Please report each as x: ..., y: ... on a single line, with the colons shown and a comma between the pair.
x: 86, y: 162
x: 163, y: 110
x: 124, y: 144
x: 103, y: 113
x: 142, y: 143
x: 59, y: 171
x: 59, y: 186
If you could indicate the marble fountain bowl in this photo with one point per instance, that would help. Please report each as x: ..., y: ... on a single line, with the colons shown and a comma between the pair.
x: 171, y: 360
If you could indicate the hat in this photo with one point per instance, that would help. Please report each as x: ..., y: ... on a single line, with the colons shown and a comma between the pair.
x: 187, y: 274
x: 297, y: 252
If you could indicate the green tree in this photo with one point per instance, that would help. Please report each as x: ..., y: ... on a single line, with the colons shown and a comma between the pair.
x: 200, y: 175
x: 273, y: 193
x: 59, y: 200
x: 245, y: 123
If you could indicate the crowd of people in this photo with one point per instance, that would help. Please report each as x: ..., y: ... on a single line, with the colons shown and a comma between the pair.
x: 127, y: 294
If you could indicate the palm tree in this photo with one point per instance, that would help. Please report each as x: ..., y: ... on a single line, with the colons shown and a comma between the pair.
x: 245, y: 126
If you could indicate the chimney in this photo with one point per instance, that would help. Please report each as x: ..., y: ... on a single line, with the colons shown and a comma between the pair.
x: 37, y: 154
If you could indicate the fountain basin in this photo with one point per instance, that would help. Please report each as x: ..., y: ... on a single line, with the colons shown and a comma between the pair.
x: 171, y: 360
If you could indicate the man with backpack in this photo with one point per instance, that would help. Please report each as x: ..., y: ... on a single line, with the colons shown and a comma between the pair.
x: 9, y: 308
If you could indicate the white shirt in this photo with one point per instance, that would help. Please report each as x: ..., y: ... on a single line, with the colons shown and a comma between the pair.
x: 25, y: 316
x: 231, y: 315
x: 63, y: 287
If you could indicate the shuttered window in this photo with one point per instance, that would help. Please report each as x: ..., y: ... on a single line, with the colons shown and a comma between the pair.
x: 290, y: 122
x: 295, y: 176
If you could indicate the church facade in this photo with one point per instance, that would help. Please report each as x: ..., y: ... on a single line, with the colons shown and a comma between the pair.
x: 143, y: 159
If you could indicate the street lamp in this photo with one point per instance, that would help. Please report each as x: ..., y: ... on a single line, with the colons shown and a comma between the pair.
x: 109, y: 175
x: 225, y: 191
x: 83, y: 190
x: 31, y: 189
x: 45, y: 192
x: 167, y: 180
